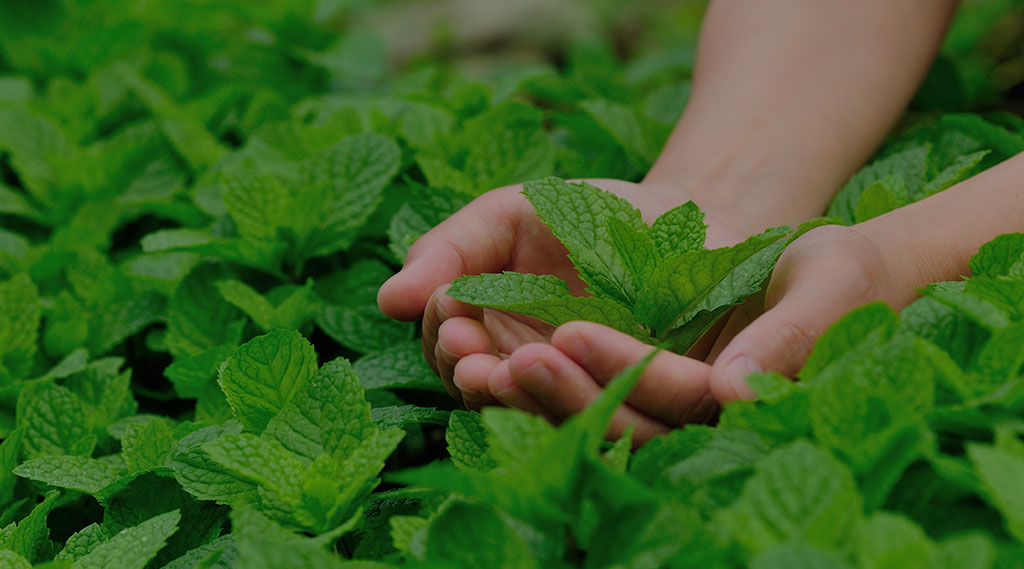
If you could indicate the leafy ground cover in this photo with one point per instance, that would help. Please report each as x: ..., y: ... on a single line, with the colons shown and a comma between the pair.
x: 198, y: 201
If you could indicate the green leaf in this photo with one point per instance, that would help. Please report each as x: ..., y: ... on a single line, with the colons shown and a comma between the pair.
x: 857, y: 331
x: 910, y: 165
x: 246, y: 299
x: 707, y: 280
x: 265, y: 373
x: 20, y: 314
x: 576, y: 214
x: 346, y: 182
x: 545, y: 297
x: 797, y: 493
x: 262, y: 544
x: 679, y: 230
x: 191, y: 374
x: 345, y: 415
x: 32, y: 533
x: 148, y: 445
x: 888, y: 541
x: 456, y: 535
x: 799, y: 556
x: 54, y: 421
x: 132, y: 548
x: 509, y: 145
x: 962, y: 168
x: 83, y: 542
x: 204, y: 478
x: 635, y: 248
x: 11, y: 560
x: 198, y: 318
x: 1002, y: 475
x: 86, y: 475
x: 221, y: 553
x: 879, y: 198
x: 641, y: 137
x: 402, y: 415
x: 362, y: 328
x: 467, y: 441
x: 1003, y: 256
x: 260, y: 461
x: 399, y: 366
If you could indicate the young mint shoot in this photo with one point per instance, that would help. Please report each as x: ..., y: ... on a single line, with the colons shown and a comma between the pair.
x: 656, y: 282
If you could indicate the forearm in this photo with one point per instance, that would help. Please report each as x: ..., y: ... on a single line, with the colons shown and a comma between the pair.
x: 791, y: 96
x: 932, y: 240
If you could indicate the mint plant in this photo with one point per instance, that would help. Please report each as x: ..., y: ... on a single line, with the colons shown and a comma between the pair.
x: 657, y: 283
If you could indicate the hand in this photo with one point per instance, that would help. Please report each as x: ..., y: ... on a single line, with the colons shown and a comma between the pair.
x: 821, y: 276
x: 500, y: 231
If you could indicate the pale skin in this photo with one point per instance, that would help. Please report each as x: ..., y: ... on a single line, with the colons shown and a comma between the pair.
x: 789, y: 98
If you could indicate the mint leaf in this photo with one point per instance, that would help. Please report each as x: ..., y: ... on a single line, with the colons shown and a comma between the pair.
x: 1003, y: 256
x: 509, y: 146
x: 31, y: 533
x: 799, y: 556
x: 708, y: 280
x: 856, y: 332
x: 576, y: 214
x: 262, y: 544
x: 347, y: 179
x: 252, y: 303
x: 467, y: 441
x: 679, y: 230
x: 345, y: 415
x: 545, y: 297
x: 402, y: 415
x: 83, y: 542
x: 54, y: 421
x: 204, y: 478
x: 878, y: 198
x: 198, y: 318
x: 86, y: 475
x: 132, y: 548
x: 20, y: 314
x: 1002, y: 475
x: 148, y: 445
x: 887, y: 540
x: 453, y: 537
x: 265, y: 373
x: 399, y: 366
x: 260, y: 461
x: 191, y: 374
x: 909, y: 165
x: 11, y: 560
x: 798, y: 492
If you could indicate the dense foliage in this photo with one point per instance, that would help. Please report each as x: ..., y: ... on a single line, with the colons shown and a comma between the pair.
x: 199, y: 200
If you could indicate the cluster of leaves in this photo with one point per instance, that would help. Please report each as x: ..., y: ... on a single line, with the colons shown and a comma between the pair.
x: 198, y: 202
x: 658, y: 283
x: 900, y: 447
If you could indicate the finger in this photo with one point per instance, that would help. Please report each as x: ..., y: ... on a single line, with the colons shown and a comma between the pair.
x: 458, y: 338
x: 470, y: 378
x: 673, y: 389
x: 440, y: 308
x: 563, y: 388
x: 505, y: 389
x: 478, y: 238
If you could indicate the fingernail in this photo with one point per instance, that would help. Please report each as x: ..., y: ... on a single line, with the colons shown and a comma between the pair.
x: 538, y: 375
x: 736, y: 373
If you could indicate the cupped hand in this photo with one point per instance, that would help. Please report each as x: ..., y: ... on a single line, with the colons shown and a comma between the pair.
x: 499, y: 231
x: 821, y: 276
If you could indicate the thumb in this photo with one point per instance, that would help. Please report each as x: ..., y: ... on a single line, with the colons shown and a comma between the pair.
x: 478, y: 238
x: 779, y: 340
